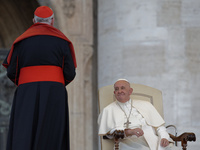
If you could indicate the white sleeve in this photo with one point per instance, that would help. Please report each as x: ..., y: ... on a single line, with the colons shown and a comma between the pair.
x: 162, y: 132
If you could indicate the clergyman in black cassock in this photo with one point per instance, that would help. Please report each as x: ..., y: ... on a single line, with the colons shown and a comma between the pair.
x: 41, y: 63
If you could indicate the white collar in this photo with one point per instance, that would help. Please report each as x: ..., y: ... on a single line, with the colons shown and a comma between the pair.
x: 126, y: 103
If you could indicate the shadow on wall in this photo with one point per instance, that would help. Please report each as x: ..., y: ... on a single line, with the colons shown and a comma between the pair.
x: 15, y: 18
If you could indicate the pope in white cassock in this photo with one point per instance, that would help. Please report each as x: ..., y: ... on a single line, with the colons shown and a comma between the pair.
x: 143, y: 126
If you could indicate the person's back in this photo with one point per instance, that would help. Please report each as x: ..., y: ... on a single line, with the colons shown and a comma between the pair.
x: 41, y: 63
x: 43, y: 50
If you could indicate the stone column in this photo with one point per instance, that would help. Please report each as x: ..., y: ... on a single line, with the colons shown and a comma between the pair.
x: 155, y: 43
x: 75, y: 20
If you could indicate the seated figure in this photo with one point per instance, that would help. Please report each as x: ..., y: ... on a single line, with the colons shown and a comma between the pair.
x: 142, y: 125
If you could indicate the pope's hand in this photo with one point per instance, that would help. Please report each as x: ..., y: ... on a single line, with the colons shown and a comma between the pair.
x: 137, y: 131
x: 164, y: 142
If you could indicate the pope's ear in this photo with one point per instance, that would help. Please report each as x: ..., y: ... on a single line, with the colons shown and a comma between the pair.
x: 131, y: 90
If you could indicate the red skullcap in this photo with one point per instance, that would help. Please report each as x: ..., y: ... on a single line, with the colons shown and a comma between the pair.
x: 43, y: 12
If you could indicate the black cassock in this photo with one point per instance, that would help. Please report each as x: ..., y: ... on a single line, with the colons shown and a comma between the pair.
x: 39, y: 117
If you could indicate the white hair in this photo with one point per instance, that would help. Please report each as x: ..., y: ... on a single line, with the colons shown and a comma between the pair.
x: 43, y: 20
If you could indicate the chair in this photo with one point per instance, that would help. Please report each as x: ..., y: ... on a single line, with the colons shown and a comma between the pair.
x: 140, y: 92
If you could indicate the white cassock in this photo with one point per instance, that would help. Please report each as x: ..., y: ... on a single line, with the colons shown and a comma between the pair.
x: 143, y: 115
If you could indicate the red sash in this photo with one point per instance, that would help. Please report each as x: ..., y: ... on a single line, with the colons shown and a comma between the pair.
x: 41, y: 73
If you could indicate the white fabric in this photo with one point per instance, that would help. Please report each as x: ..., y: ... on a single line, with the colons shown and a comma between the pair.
x: 133, y: 144
x: 143, y: 115
x: 162, y: 132
x: 114, y: 114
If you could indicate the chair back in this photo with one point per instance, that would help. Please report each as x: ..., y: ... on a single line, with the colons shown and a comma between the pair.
x: 140, y: 92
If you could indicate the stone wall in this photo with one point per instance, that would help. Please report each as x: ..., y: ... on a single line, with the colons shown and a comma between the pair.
x: 155, y: 43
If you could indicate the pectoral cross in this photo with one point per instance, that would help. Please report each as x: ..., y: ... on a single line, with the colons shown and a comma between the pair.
x: 127, y: 123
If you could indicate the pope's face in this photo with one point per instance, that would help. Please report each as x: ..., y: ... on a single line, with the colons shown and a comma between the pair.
x: 122, y: 91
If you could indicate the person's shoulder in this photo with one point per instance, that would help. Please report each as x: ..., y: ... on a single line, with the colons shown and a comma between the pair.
x: 110, y: 106
x: 143, y: 102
